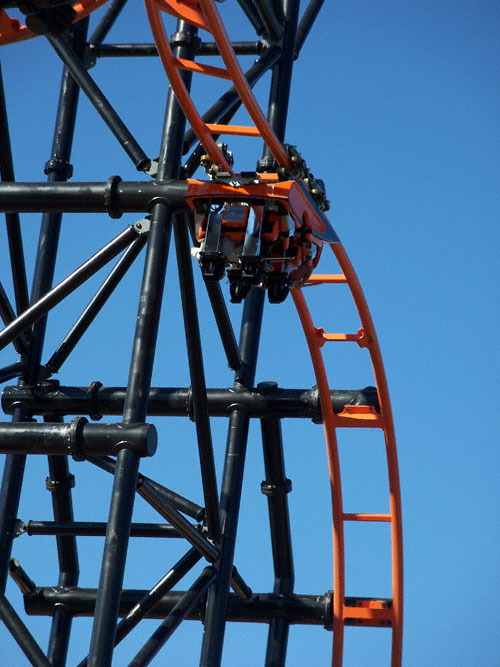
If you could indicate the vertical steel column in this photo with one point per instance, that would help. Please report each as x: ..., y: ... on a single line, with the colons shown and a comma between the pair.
x: 277, y: 115
x: 12, y: 219
x: 58, y: 169
x: 141, y: 368
x: 232, y: 481
x: 59, y: 483
x: 197, y: 375
x: 282, y: 78
x: 249, y: 345
x: 275, y: 487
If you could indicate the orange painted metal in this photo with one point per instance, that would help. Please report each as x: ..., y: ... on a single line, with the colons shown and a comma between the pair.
x: 373, y: 613
x: 200, y: 68
x: 368, y: 517
x: 187, y: 10
x: 390, y: 445
x: 359, y: 416
x: 334, y: 471
x: 325, y: 279
x: 324, y: 337
x: 204, y: 14
x: 291, y: 194
x: 241, y: 130
x: 369, y: 613
x: 12, y: 30
x: 154, y: 9
x: 241, y: 84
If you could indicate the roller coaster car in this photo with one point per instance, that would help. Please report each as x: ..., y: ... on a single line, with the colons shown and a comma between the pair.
x: 268, y: 233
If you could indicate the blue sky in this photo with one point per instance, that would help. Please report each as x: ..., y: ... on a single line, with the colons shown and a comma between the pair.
x: 395, y: 105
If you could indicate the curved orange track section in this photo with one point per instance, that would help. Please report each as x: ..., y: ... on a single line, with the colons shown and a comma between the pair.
x: 366, y: 338
x: 390, y: 445
x: 334, y: 471
x: 205, y: 15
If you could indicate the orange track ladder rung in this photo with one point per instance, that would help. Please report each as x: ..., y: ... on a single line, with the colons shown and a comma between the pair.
x: 324, y: 337
x: 242, y: 130
x: 373, y: 613
x: 359, y: 416
x: 368, y: 517
x: 200, y: 68
x: 326, y: 279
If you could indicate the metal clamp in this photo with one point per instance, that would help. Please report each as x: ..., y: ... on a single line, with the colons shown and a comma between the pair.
x: 110, y: 197
x: 62, y: 167
x: 60, y: 484
x: 92, y: 401
x: 276, y: 489
x: 75, y: 438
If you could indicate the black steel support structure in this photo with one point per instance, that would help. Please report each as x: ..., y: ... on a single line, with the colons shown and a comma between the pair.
x: 141, y: 369
x: 63, y: 422
x: 58, y: 169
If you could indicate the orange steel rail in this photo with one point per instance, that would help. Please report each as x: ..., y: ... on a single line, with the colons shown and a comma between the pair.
x: 12, y: 30
x: 366, y: 612
x: 205, y: 15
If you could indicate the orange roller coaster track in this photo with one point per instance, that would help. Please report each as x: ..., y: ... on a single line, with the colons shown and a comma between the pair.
x: 263, y: 231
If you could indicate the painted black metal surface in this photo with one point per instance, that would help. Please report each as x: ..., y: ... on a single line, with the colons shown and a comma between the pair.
x: 219, y: 594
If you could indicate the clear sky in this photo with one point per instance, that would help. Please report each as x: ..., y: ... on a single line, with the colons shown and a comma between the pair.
x: 396, y: 107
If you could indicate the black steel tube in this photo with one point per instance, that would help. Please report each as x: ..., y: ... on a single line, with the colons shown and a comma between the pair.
x: 58, y: 169
x: 150, y: 50
x: 232, y: 480
x: 93, y: 308
x: 141, y: 368
x: 12, y: 219
x: 277, y: 643
x: 275, y: 487
x: 194, y: 537
x: 224, y: 325
x: 231, y: 97
x: 106, y: 22
x: 306, y: 23
x: 282, y: 78
x: 97, y: 529
x: 268, y: 18
x: 251, y: 323
x: 60, y: 628
x: 179, y: 612
x: 42, y: 306
x: 77, y: 438
x: 197, y: 376
x: 271, y: 429
x: 113, y: 560
x: 12, y: 371
x: 151, y: 598
x: 13, y: 472
x: 8, y: 315
x: 253, y: 16
x: 133, y: 196
x: 260, y: 608
x: 179, y: 502
x: 100, y: 103
x: 51, y: 398
x: 21, y: 578
x: 21, y: 634
x: 59, y: 484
